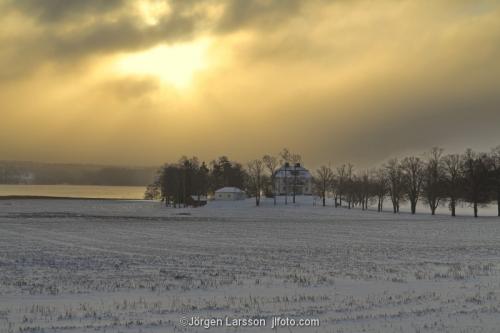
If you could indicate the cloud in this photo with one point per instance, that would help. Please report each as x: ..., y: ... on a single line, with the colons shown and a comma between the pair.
x: 57, y: 11
x: 337, y: 81
x: 259, y: 14
x: 72, y: 31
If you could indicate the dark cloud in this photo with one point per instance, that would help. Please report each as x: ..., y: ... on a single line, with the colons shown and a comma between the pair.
x: 68, y: 45
x: 121, y: 36
x: 257, y: 14
x: 55, y: 11
x: 60, y: 35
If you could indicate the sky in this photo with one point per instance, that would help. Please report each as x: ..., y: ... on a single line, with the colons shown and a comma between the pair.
x: 143, y: 82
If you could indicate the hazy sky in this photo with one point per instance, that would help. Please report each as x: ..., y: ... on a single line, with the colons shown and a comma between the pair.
x: 143, y: 82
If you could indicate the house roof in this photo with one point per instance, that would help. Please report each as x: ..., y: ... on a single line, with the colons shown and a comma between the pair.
x: 290, y: 170
x: 229, y: 190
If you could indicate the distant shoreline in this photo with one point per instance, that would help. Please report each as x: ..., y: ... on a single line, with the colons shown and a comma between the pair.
x: 42, y: 197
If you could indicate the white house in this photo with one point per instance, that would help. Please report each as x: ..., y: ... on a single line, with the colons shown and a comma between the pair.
x: 289, y: 177
x: 229, y: 193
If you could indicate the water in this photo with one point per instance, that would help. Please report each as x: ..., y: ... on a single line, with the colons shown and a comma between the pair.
x: 74, y: 191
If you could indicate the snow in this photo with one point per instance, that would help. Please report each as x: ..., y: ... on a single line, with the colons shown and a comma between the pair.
x: 136, y: 266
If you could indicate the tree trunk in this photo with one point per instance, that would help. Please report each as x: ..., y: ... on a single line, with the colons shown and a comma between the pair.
x: 274, y: 192
x: 432, y: 206
x: 452, y: 206
x: 413, y: 207
x: 324, y: 199
x: 286, y: 189
x: 475, y: 209
x: 498, y: 202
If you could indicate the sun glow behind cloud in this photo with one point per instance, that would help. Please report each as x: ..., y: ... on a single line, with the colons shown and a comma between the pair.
x: 174, y: 65
x: 152, y: 11
x: 355, y: 81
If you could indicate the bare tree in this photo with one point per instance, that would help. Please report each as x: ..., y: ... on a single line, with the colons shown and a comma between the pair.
x: 453, y: 179
x: 395, y: 182
x: 272, y: 165
x: 349, y: 185
x: 285, y: 156
x: 413, y: 176
x: 476, y: 180
x: 341, y: 181
x: 365, y: 189
x: 256, y: 178
x: 295, y: 159
x: 433, y: 186
x: 324, y: 181
x: 381, y: 187
x: 153, y: 191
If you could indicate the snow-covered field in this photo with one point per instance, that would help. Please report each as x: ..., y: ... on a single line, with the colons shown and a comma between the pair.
x: 135, y: 266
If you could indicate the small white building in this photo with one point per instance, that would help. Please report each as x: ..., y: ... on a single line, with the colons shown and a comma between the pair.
x: 229, y: 193
x: 290, y: 177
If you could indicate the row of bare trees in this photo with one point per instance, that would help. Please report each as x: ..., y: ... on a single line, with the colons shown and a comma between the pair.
x: 433, y: 178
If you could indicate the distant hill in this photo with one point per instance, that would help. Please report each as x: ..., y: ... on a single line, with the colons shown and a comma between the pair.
x: 15, y: 172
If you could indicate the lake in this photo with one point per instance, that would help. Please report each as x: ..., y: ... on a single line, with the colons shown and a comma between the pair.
x: 74, y: 191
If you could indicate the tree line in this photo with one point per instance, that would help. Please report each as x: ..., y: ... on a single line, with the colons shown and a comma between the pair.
x: 39, y: 173
x: 177, y: 183
x: 432, y: 178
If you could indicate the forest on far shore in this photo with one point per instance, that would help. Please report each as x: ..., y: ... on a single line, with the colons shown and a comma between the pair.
x: 36, y: 173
